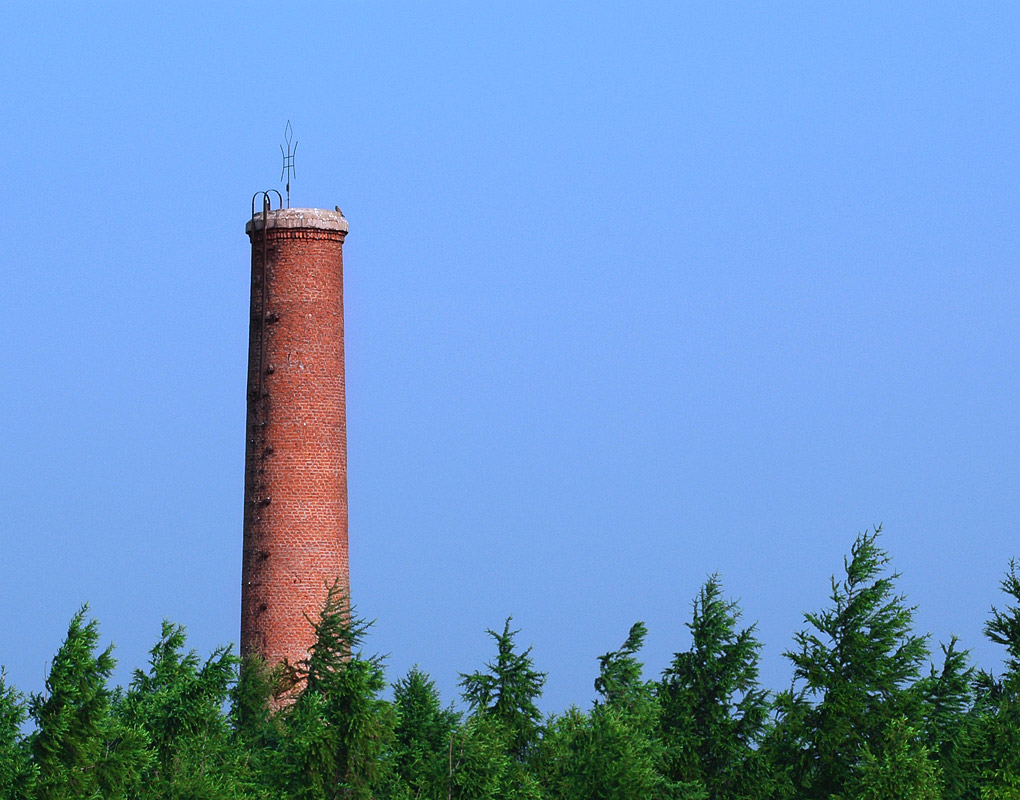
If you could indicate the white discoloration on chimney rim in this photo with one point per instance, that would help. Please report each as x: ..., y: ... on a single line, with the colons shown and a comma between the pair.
x: 309, y: 218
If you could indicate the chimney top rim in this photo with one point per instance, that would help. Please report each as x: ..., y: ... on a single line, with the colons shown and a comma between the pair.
x: 309, y: 218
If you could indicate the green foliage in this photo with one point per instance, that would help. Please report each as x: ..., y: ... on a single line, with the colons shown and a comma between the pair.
x: 507, y: 693
x: 422, y: 737
x: 258, y: 686
x: 603, y: 755
x: 858, y: 659
x: 613, y: 751
x: 481, y: 764
x: 950, y: 727
x: 179, y: 703
x: 337, y: 730
x: 619, y: 681
x: 1004, y: 626
x: 901, y: 770
x: 785, y: 748
x: 713, y: 710
x: 17, y: 773
x: 858, y: 723
x: 81, y: 748
x: 258, y: 732
x: 999, y: 700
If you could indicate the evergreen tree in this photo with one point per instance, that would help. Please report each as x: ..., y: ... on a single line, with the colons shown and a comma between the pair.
x: 613, y: 752
x: 179, y: 703
x: 999, y: 698
x: 337, y: 730
x: 713, y: 709
x: 950, y: 729
x: 481, y: 764
x: 858, y: 659
x: 80, y: 747
x: 785, y: 748
x: 1004, y: 626
x: 858, y: 723
x: 17, y: 774
x: 258, y: 686
x: 422, y: 737
x: 901, y: 770
x: 507, y: 693
x: 259, y: 733
x: 603, y: 755
x: 620, y: 676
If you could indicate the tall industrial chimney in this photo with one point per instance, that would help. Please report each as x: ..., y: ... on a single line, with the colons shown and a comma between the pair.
x: 295, y: 474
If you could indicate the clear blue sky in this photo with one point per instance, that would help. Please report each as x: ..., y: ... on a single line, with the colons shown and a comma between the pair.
x: 635, y: 293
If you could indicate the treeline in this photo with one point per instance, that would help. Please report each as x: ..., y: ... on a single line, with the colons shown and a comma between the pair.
x: 868, y: 716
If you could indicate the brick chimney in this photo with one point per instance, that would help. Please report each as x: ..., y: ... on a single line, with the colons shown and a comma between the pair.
x: 295, y: 469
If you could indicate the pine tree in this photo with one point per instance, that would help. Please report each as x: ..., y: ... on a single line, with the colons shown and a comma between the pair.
x: 951, y: 724
x: 81, y: 748
x: 421, y: 737
x: 785, y: 748
x: 1004, y: 626
x: 338, y: 728
x: 179, y: 703
x: 507, y: 693
x: 858, y: 658
x: 603, y: 755
x: 17, y: 773
x: 999, y: 699
x: 482, y: 766
x: 901, y: 770
x: 713, y: 709
x: 620, y: 676
x: 612, y: 752
x: 258, y: 732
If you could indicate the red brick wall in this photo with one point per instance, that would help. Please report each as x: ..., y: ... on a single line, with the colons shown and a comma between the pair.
x: 295, y: 513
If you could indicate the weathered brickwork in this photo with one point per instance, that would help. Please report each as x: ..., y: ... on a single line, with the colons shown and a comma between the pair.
x: 295, y: 510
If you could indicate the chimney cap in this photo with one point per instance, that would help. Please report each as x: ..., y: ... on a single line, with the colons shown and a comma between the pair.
x: 313, y: 218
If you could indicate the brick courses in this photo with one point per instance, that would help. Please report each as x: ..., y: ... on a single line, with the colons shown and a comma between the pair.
x: 295, y: 509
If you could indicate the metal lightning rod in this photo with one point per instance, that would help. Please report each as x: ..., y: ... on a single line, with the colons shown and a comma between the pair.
x: 288, y: 158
